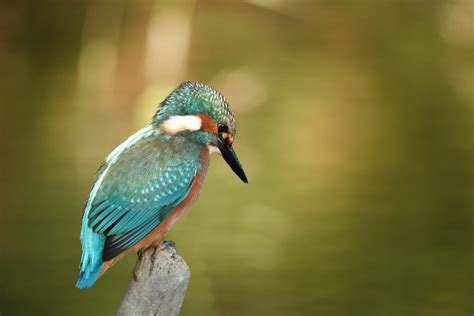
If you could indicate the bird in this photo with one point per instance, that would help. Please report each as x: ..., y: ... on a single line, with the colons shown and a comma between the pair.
x: 147, y: 182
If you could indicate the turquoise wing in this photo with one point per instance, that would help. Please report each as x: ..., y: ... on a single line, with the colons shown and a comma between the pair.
x: 138, y: 192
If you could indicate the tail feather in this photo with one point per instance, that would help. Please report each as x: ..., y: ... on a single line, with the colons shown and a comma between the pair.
x: 88, y: 277
x: 91, y: 260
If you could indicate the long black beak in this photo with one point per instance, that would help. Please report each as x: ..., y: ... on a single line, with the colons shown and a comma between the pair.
x: 231, y: 158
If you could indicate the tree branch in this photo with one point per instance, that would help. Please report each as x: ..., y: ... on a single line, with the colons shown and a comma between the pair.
x: 158, y: 284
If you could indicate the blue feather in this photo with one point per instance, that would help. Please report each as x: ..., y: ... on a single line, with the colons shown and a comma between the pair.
x: 91, y: 260
x: 137, y: 187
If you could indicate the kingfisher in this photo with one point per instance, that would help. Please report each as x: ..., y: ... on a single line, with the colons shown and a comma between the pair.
x: 155, y: 176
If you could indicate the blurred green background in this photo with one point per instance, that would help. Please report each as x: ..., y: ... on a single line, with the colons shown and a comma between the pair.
x: 355, y: 127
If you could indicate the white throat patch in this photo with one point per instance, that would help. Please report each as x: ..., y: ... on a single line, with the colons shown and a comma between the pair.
x: 213, y: 150
x: 181, y: 123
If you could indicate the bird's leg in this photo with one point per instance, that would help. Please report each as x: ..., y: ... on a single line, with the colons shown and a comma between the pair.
x: 163, y: 245
x: 167, y: 243
x: 155, y: 248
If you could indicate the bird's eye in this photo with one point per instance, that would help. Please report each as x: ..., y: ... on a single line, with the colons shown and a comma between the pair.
x: 222, y: 128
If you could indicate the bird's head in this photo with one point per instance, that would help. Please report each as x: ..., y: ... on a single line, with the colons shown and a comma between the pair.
x: 203, y: 115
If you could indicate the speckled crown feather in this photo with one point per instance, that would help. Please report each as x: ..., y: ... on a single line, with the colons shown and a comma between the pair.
x: 192, y: 98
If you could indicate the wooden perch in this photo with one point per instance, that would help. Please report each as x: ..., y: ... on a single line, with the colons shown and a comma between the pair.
x: 158, y: 284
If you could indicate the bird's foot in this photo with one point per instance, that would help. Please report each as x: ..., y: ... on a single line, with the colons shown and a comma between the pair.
x: 167, y: 243
x: 162, y: 246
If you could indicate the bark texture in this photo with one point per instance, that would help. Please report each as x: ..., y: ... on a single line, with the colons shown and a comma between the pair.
x: 158, y: 284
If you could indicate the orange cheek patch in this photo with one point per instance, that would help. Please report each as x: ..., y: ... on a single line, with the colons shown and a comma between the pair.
x: 208, y: 124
